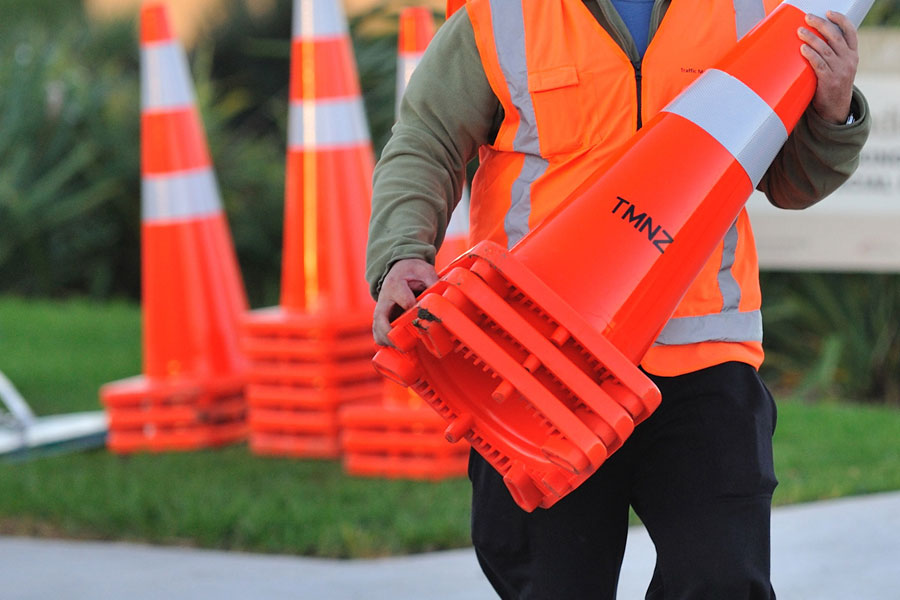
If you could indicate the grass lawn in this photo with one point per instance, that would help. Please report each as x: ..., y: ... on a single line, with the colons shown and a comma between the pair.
x: 59, y: 353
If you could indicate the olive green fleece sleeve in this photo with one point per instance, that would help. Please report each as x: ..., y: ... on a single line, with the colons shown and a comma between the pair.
x: 817, y: 158
x: 447, y: 112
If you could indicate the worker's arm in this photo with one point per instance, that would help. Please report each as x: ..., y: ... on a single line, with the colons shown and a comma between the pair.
x: 823, y: 150
x: 447, y: 112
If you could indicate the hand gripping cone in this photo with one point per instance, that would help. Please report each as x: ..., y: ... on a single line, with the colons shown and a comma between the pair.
x: 191, y: 392
x: 312, y: 354
x: 402, y: 437
x: 536, y: 366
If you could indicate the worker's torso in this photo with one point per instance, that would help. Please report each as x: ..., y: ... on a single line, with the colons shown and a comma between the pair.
x: 571, y: 99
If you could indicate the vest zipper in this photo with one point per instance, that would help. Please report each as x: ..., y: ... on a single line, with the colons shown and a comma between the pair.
x: 637, y: 80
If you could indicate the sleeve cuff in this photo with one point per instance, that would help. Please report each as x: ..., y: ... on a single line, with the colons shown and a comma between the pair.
x: 859, y: 112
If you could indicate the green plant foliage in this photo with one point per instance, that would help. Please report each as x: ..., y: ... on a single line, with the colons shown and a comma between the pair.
x: 834, y: 335
x: 884, y: 12
x: 52, y: 13
x: 69, y: 140
x: 66, y: 169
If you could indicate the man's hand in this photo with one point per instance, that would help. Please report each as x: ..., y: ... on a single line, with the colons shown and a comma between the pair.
x: 406, y: 278
x: 834, y: 61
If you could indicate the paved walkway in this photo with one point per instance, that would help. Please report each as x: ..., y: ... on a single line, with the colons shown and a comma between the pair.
x: 846, y: 549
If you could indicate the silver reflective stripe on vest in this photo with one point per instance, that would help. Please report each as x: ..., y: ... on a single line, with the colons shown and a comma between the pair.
x: 182, y: 195
x: 855, y: 10
x: 165, y: 79
x: 318, y: 19
x: 712, y: 102
x: 719, y: 327
x: 508, y: 24
x: 728, y: 285
x: 323, y: 124
x: 747, y: 13
x: 515, y: 224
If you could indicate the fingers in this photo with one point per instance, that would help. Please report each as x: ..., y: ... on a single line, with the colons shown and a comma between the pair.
x: 846, y: 27
x: 388, y: 301
x: 830, y: 46
x: 398, y: 293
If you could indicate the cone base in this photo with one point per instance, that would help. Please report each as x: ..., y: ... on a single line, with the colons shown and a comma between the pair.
x: 183, y: 439
x: 147, y: 414
x: 225, y: 411
x: 289, y: 398
x: 406, y: 467
x: 543, y: 396
x: 279, y: 322
x: 303, y: 421
x: 294, y: 446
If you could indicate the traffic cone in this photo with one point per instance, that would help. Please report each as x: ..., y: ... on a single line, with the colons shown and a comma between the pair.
x: 191, y: 392
x: 311, y: 355
x: 535, y: 366
x: 402, y: 437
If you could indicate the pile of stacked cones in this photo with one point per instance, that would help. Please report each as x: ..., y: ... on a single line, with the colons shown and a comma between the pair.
x: 311, y: 355
x: 191, y: 393
x: 296, y: 379
x: 402, y: 436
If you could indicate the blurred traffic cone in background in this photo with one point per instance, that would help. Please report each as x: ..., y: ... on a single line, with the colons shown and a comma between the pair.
x: 402, y: 436
x: 191, y: 392
x: 312, y: 354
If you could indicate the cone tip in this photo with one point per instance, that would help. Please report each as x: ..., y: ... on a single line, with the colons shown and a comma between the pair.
x: 416, y: 29
x: 155, y: 25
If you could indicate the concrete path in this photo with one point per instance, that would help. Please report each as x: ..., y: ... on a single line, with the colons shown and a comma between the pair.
x: 846, y: 549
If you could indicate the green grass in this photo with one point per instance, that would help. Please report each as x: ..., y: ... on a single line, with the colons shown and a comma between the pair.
x: 59, y: 353
x: 231, y: 499
x: 829, y: 450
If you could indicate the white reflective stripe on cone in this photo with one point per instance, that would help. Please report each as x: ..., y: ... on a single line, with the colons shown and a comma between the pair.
x: 318, y: 19
x: 459, y: 220
x: 179, y: 196
x: 165, y: 79
x: 324, y: 124
x: 753, y: 140
x: 406, y: 64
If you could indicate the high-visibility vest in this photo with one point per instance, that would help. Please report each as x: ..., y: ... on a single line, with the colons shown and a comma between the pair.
x: 571, y: 99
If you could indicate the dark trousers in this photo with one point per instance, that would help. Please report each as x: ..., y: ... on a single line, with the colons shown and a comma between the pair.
x: 699, y: 474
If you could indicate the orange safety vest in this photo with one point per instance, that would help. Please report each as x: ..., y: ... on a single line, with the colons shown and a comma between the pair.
x: 570, y: 100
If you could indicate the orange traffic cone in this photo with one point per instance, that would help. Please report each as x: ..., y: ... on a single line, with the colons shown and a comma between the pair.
x: 453, y: 6
x: 191, y: 392
x: 312, y: 354
x: 402, y: 436
x: 537, y: 367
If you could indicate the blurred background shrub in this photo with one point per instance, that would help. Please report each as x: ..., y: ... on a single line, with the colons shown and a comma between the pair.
x: 69, y: 130
x: 833, y: 335
x: 70, y: 177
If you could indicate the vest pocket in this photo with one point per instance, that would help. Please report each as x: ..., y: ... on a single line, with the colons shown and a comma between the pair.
x: 556, y: 97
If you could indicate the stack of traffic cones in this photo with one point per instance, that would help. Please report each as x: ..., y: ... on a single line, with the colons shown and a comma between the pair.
x: 311, y: 355
x: 402, y: 436
x: 191, y: 393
